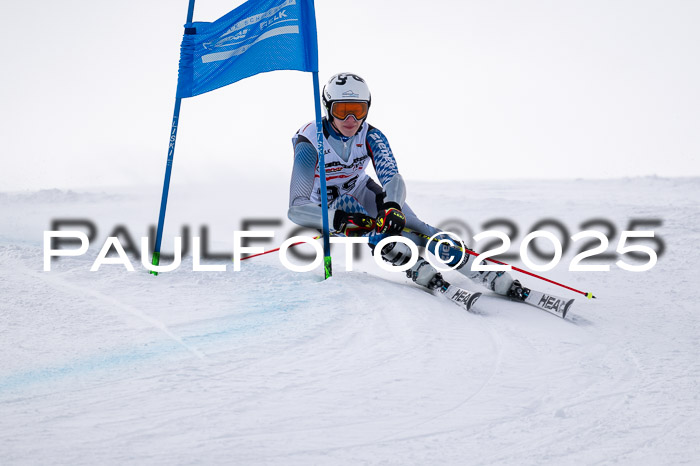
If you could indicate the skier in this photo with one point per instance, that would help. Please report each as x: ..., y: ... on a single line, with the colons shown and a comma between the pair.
x: 358, y: 205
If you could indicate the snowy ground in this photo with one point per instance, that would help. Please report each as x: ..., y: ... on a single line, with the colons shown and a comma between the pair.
x: 267, y: 366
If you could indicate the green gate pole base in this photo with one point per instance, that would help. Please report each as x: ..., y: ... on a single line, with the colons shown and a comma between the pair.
x: 327, y: 266
x: 155, y: 261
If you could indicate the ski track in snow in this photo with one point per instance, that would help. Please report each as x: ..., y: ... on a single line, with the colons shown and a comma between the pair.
x: 266, y: 366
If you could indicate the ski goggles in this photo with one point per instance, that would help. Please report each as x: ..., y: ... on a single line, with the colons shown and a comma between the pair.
x: 341, y: 110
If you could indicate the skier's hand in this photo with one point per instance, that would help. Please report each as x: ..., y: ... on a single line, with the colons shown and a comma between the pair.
x: 352, y: 224
x: 391, y: 220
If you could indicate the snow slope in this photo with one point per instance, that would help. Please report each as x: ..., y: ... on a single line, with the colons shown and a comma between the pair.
x: 267, y: 366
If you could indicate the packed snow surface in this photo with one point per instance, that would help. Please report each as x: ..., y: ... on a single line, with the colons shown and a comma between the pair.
x: 269, y: 366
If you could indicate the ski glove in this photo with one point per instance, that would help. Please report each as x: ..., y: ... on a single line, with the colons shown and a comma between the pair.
x: 390, y: 219
x: 352, y: 224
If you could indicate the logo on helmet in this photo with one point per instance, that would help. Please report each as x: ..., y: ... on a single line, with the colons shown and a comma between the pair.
x: 351, y: 94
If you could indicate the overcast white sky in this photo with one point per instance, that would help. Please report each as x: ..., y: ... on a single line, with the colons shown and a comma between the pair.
x: 463, y: 90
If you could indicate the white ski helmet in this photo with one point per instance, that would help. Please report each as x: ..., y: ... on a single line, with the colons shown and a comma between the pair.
x: 346, y: 88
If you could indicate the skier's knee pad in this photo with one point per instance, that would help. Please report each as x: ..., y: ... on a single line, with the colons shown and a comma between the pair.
x: 449, y: 254
x: 396, y: 253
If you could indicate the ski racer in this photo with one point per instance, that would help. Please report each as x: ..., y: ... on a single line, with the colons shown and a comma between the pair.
x: 357, y: 204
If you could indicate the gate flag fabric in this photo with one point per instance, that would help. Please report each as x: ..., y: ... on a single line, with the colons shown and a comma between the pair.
x: 256, y: 37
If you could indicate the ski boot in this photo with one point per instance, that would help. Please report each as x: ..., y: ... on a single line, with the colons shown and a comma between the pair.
x: 518, y: 292
x: 425, y: 275
x: 422, y: 273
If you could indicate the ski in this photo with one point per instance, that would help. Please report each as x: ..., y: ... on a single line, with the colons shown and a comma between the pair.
x: 461, y: 297
x: 549, y: 302
x: 544, y: 301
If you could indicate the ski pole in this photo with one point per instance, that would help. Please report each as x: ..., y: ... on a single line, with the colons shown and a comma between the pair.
x: 276, y: 249
x: 473, y: 253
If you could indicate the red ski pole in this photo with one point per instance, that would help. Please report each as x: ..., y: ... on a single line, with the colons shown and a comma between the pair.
x: 273, y: 250
x: 473, y: 253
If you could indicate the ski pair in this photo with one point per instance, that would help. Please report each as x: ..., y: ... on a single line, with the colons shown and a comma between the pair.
x: 544, y: 301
